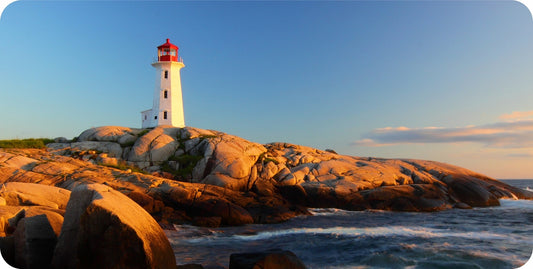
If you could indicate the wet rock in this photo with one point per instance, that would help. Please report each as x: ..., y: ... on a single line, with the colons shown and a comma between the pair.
x: 212, y: 222
x: 190, y: 266
x: 416, y: 197
x: 230, y: 214
x: 272, y: 259
x: 472, y: 192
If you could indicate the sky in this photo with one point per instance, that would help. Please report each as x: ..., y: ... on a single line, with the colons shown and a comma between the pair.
x: 449, y: 81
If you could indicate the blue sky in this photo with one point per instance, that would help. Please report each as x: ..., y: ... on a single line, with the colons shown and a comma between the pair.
x: 437, y: 80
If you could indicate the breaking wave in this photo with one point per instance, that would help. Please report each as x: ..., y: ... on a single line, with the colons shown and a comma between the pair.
x: 492, y: 237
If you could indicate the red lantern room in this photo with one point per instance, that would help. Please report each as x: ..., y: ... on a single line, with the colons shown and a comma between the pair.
x: 167, y: 52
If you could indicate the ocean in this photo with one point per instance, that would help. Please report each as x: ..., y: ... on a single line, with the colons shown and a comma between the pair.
x: 494, y: 237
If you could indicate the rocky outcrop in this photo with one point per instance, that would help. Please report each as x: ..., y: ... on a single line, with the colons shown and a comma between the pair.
x: 92, y: 227
x: 168, y: 201
x: 30, y: 221
x: 105, y: 229
x: 192, y: 154
x: 326, y: 178
x: 209, y: 178
x: 121, y: 178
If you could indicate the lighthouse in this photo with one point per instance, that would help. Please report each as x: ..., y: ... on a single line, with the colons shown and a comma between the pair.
x: 167, y: 107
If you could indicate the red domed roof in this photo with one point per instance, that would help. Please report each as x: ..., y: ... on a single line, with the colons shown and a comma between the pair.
x: 168, y: 45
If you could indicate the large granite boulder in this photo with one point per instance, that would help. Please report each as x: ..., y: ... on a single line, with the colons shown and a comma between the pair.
x: 34, y: 242
x: 30, y: 221
x: 105, y: 229
x: 121, y: 135
x: 156, y: 146
x: 227, y: 160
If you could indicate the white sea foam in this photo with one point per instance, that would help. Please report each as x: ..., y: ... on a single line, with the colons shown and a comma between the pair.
x: 326, y: 211
x: 422, y: 232
x: 511, y: 203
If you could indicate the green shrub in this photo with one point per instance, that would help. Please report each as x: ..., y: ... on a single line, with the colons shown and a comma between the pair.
x: 122, y: 165
x: 187, y: 164
x: 266, y: 160
x: 129, y: 144
x: 143, y: 132
x: 30, y: 143
x: 205, y: 136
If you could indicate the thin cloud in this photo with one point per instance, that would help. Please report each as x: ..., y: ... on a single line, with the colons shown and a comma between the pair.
x: 506, y: 134
x: 520, y: 155
x: 516, y: 115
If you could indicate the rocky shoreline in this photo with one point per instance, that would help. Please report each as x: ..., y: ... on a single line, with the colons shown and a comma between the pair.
x: 200, y: 177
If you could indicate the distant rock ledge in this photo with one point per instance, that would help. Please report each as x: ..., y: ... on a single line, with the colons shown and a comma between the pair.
x: 200, y: 177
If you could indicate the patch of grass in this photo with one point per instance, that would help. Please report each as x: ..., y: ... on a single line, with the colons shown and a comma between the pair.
x: 187, y: 164
x: 129, y: 144
x: 266, y: 160
x: 206, y: 136
x: 143, y: 132
x: 30, y: 143
x: 263, y: 159
x: 186, y: 160
x: 122, y: 165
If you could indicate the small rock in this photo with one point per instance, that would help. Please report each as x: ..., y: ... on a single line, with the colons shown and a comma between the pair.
x: 190, y: 266
x: 273, y: 259
x: 331, y: 151
x: 60, y: 140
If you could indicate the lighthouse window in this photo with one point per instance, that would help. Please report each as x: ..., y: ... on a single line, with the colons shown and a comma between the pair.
x: 165, y: 115
x: 165, y: 94
x: 166, y: 74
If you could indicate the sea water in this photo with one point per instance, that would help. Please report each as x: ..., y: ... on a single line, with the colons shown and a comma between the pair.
x: 493, y: 237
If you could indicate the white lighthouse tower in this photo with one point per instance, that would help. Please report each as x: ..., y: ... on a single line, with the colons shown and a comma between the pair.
x: 168, y: 102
